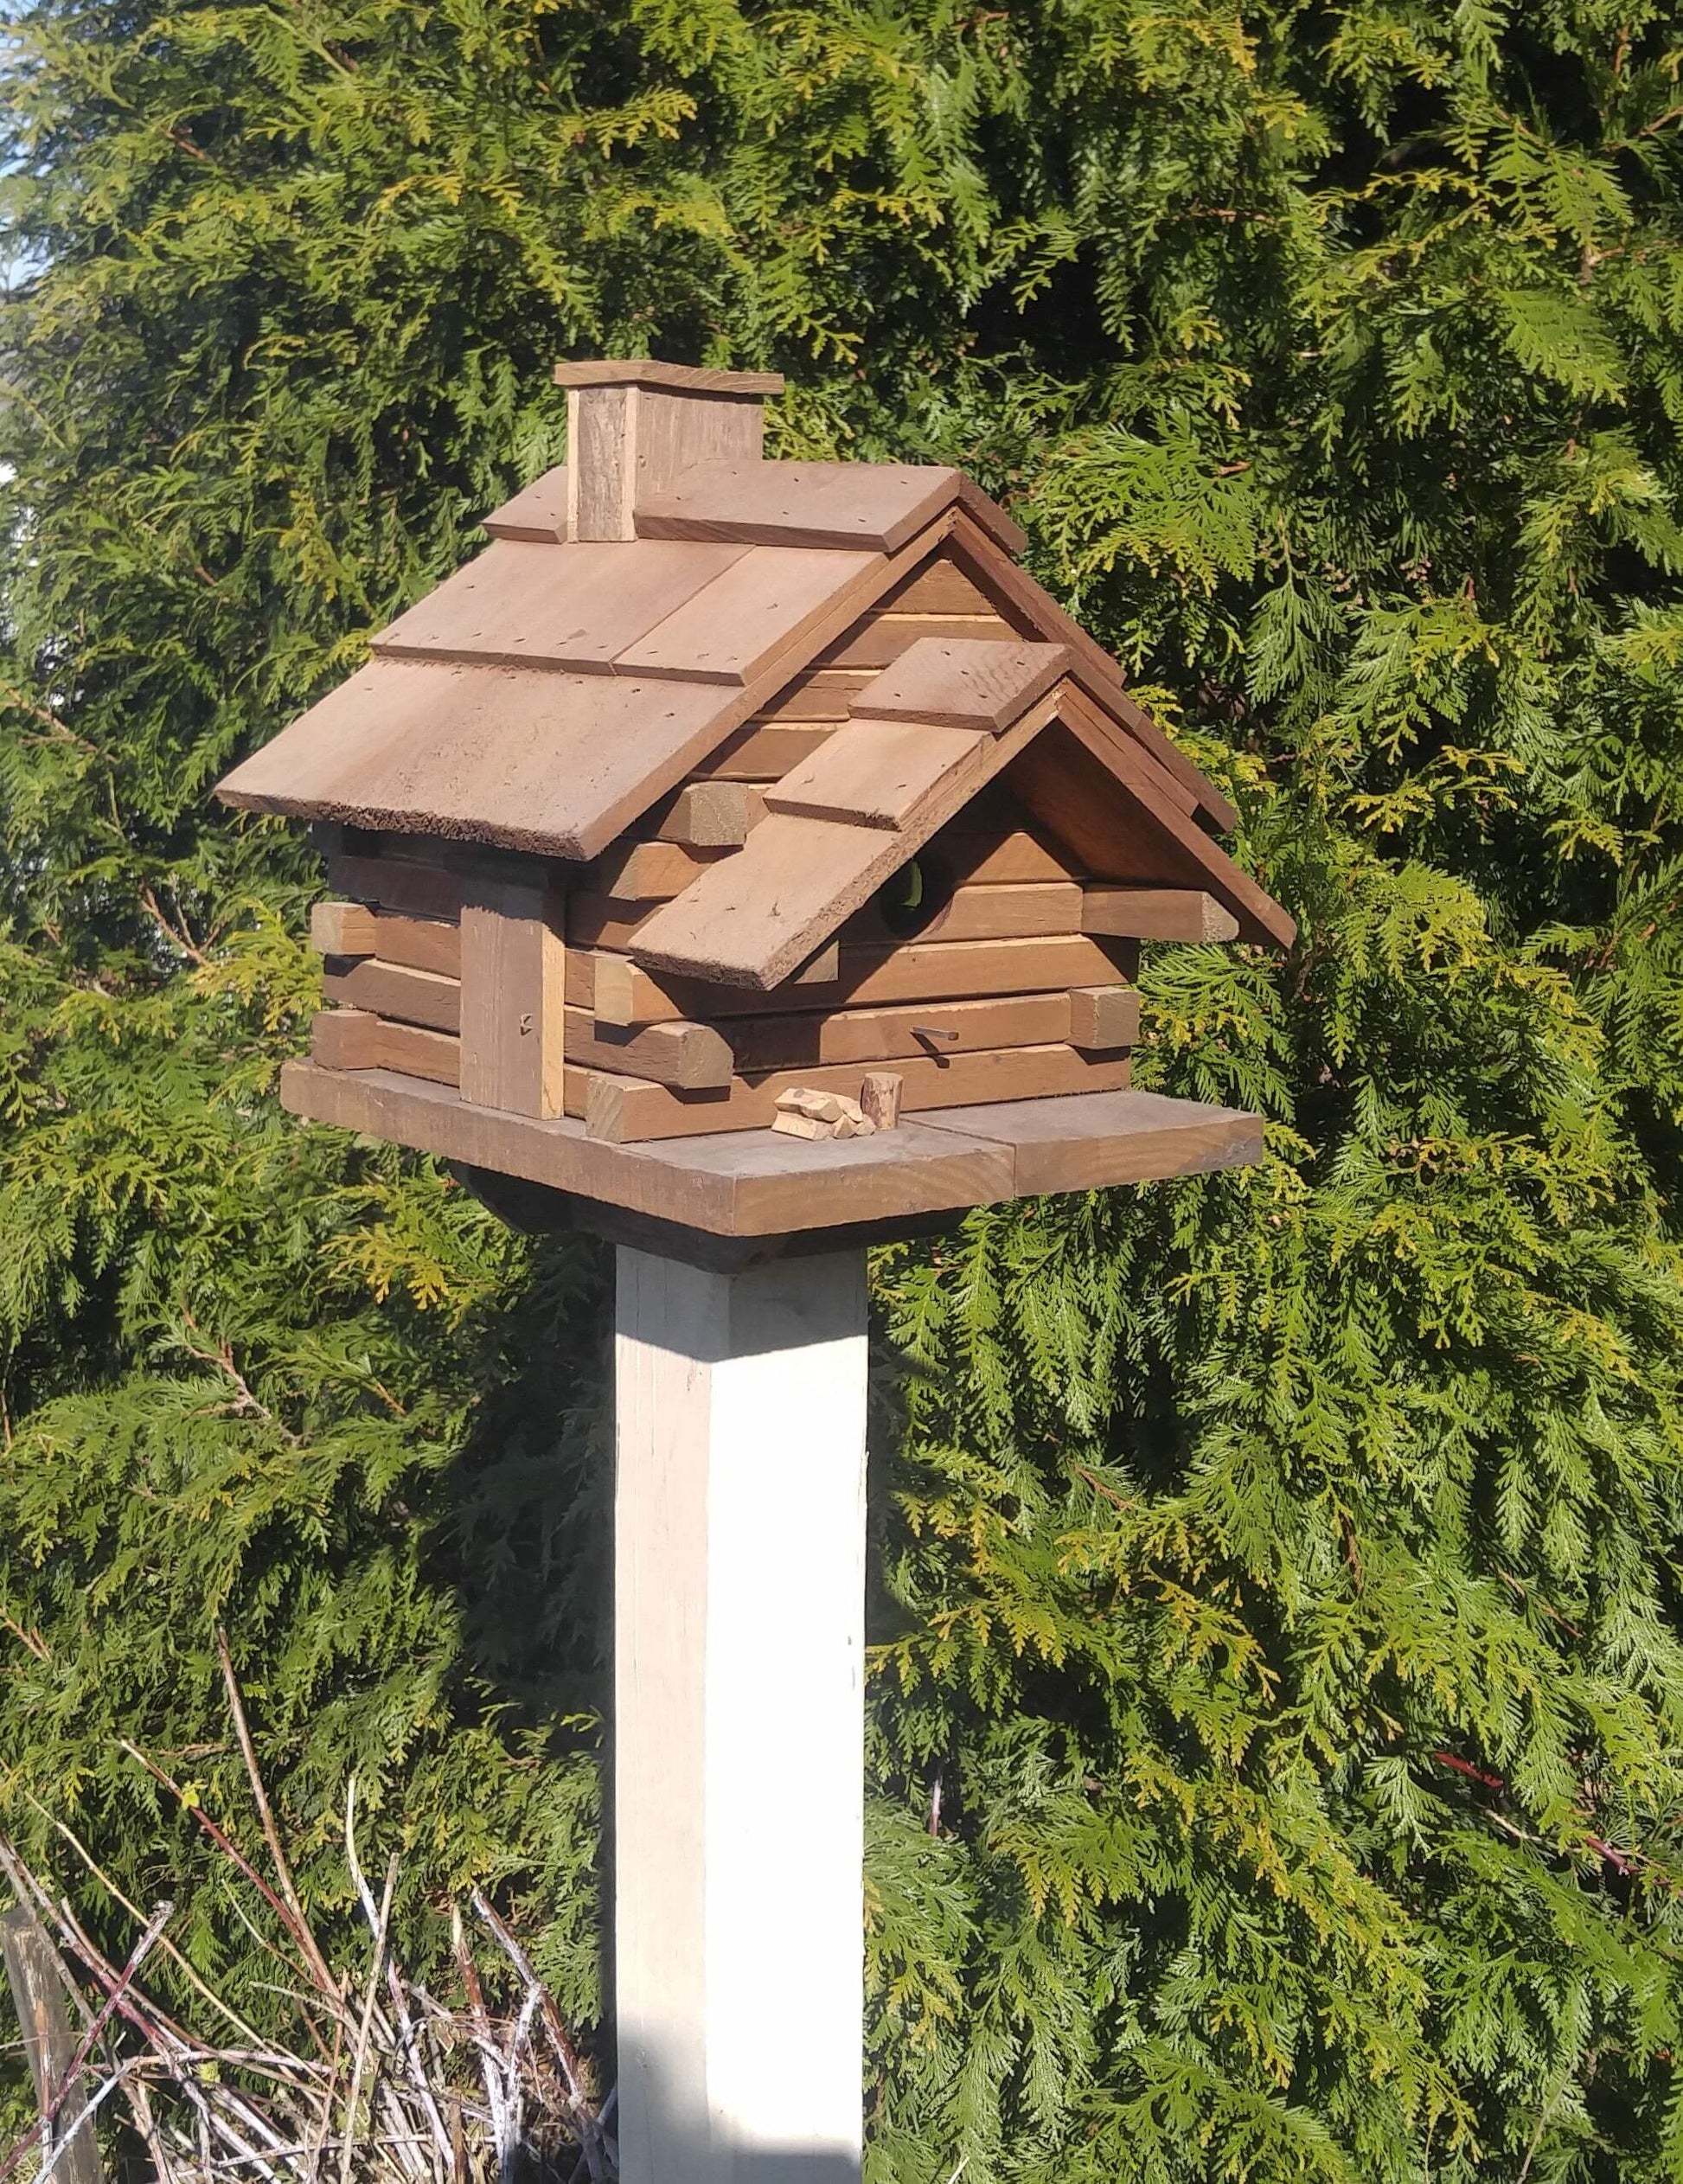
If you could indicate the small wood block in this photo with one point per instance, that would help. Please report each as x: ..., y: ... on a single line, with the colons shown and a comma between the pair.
x: 736, y: 627
x: 711, y: 815
x: 877, y: 774
x: 1104, y: 1018
x: 513, y: 1017
x: 879, y: 1096
x: 342, y: 929
x: 391, y: 990
x: 416, y: 890
x: 345, y: 1039
x: 820, y: 1107
x: 691, y: 1057
x: 964, y: 682
x: 646, y: 871
x: 793, y: 1125
x: 1156, y: 914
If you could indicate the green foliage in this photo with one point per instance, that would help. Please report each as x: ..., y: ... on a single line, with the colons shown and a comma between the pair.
x: 1277, y: 1588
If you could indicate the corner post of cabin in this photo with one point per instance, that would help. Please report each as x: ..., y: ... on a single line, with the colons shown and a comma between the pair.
x: 738, y: 1719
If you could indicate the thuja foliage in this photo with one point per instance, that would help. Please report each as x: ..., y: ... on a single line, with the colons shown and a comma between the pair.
x: 1277, y: 1746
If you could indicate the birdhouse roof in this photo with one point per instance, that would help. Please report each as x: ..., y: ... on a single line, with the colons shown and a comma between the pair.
x: 547, y: 694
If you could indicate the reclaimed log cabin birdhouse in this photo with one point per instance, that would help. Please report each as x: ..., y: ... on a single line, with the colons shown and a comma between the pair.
x: 712, y: 780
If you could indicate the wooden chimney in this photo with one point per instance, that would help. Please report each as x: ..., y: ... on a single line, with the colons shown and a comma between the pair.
x: 633, y: 429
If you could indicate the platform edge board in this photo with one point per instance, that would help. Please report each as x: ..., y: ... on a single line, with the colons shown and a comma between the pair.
x: 755, y: 1183
x: 1093, y: 1141
x: 735, y: 1183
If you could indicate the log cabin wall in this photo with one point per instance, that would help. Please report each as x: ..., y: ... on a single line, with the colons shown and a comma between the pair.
x: 999, y: 989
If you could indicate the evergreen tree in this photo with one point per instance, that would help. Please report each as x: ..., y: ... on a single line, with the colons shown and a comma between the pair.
x: 1277, y: 1721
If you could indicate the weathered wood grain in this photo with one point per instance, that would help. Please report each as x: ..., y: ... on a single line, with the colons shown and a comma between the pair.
x: 405, y: 996
x: 577, y: 607
x: 963, y: 683
x: 50, y: 2043
x: 757, y: 1183
x: 622, y: 1109
x: 878, y: 773
x: 514, y: 962
x: 754, y: 612
x: 1156, y: 914
x: 688, y: 1056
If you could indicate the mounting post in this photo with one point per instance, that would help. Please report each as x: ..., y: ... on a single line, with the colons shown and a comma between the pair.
x: 738, y: 1773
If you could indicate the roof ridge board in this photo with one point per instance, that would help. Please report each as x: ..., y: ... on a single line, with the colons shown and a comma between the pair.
x: 1094, y: 667
x: 679, y: 511
x: 897, y: 845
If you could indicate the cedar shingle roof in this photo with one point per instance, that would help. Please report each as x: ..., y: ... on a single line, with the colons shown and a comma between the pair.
x: 549, y: 693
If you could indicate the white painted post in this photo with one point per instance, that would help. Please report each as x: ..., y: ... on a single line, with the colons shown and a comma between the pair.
x: 739, y: 1635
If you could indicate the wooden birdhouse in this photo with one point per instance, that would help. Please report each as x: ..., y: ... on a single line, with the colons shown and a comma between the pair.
x: 712, y: 780
x: 750, y: 856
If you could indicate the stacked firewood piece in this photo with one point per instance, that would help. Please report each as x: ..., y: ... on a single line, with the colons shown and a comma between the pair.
x: 804, y: 1112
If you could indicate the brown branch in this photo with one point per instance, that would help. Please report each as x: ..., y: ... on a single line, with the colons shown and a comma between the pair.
x: 313, y: 1956
x: 248, y: 1404
x: 177, y: 934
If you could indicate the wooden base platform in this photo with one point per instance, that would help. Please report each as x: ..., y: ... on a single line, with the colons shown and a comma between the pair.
x: 760, y: 1184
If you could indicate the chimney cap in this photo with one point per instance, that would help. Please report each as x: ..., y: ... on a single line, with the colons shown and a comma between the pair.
x: 645, y: 371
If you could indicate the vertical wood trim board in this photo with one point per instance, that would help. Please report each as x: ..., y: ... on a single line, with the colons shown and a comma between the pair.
x: 513, y: 997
